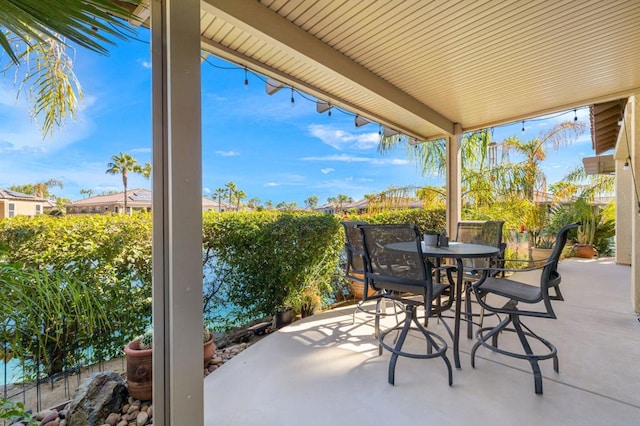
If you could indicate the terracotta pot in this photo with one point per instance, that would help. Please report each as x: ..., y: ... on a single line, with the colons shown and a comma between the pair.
x: 282, y: 318
x: 209, y: 351
x: 139, y: 370
x: 540, y: 255
x: 586, y: 251
x: 357, y: 289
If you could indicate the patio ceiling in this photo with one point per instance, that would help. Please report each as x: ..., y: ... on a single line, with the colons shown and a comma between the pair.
x: 420, y: 67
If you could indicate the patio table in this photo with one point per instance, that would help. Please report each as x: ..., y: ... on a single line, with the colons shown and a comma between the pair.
x: 457, y: 251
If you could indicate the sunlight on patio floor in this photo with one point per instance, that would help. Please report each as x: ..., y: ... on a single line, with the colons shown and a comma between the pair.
x: 325, y: 370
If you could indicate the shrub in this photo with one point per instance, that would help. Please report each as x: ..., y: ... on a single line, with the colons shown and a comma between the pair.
x: 267, y: 261
x: 108, y: 254
x: 48, y: 317
x: 424, y: 219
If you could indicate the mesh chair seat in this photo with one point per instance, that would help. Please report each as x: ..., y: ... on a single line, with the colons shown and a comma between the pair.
x: 514, y: 290
x: 518, y: 294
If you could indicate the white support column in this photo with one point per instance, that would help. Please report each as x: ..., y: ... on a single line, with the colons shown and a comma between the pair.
x: 624, y: 210
x: 177, y: 213
x: 454, y: 177
x: 633, y: 122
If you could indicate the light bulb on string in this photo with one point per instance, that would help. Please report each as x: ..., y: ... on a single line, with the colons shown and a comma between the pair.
x: 293, y: 101
x: 246, y: 79
x: 626, y: 164
x: 522, y: 126
x: 575, y: 115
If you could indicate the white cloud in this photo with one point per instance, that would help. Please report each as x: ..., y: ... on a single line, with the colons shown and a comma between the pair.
x: 271, y: 184
x: 141, y: 150
x: 144, y: 63
x: 228, y: 153
x: 354, y: 159
x: 327, y: 170
x: 341, y: 157
x: 206, y: 190
x: 340, y: 140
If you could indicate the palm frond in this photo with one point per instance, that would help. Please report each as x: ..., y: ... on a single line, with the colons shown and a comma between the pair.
x: 88, y: 23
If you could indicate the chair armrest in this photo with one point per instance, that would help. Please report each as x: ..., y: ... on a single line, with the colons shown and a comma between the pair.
x: 492, y: 270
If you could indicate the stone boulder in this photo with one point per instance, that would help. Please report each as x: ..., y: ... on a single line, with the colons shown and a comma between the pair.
x: 97, y: 397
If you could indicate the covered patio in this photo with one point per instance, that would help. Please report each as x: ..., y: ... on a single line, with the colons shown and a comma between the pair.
x: 427, y: 70
x: 325, y: 370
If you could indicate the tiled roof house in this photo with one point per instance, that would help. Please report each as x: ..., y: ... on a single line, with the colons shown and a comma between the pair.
x: 14, y: 203
x: 137, y: 200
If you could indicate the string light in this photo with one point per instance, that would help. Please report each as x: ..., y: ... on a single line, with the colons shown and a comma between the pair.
x: 358, y: 120
x: 626, y: 164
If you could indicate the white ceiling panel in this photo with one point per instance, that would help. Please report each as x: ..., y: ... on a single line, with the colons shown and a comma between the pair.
x: 422, y: 66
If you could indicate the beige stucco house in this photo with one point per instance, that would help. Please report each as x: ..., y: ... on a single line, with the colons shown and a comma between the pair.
x: 137, y: 200
x: 17, y: 204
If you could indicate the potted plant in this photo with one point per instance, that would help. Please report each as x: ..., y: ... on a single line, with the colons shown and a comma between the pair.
x: 139, y: 360
x: 431, y: 238
x: 586, y: 234
x: 542, y: 249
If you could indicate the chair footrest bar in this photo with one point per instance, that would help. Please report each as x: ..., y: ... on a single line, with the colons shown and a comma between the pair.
x: 553, y: 351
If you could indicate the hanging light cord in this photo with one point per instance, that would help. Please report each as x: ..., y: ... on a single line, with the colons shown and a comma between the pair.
x: 633, y: 173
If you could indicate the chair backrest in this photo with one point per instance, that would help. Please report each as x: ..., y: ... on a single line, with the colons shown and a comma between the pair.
x: 388, y: 269
x: 550, y: 278
x: 486, y: 232
x: 354, y: 250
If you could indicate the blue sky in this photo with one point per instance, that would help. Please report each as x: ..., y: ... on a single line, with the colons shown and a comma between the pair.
x: 271, y: 149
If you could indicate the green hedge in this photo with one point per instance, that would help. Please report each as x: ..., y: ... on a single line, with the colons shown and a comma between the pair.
x: 109, y: 255
x: 263, y: 262
x: 424, y: 218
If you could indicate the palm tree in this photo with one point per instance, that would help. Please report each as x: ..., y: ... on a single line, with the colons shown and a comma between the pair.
x: 240, y: 195
x: 485, y: 177
x: 122, y: 164
x: 35, y: 38
x: 87, y: 192
x: 343, y: 199
x: 311, y: 202
x: 218, y: 194
x: 253, y: 203
x: 41, y: 189
x: 231, y: 191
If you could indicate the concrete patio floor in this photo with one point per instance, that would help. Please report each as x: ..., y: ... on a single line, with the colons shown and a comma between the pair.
x: 325, y: 370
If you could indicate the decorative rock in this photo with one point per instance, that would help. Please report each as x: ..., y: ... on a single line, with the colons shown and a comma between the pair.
x: 63, y: 413
x: 142, y: 418
x: 112, y: 419
x: 133, y: 408
x: 150, y: 411
x: 123, y: 423
x: 44, y: 413
x: 125, y: 408
x: 54, y: 422
x: 52, y: 415
x: 63, y: 422
x: 132, y: 416
x: 101, y: 394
